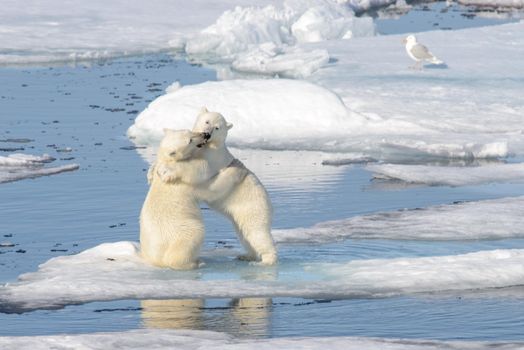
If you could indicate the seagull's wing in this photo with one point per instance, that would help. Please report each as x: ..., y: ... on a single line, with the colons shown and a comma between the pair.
x: 421, y: 52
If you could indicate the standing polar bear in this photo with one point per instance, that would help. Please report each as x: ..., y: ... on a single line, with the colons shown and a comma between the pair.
x: 247, y: 204
x: 171, y: 225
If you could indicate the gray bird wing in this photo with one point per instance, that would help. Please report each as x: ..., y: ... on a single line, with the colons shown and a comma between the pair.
x: 421, y: 52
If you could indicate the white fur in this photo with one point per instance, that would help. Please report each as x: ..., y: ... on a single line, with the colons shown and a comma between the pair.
x: 171, y: 227
x: 245, y: 203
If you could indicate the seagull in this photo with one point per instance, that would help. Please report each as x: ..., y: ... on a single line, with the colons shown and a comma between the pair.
x: 419, y: 52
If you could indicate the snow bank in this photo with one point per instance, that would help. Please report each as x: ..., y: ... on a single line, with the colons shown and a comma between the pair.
x: 243, y: 34
x: 276, y: 113
x: 488, y: 219
x: 24, y: 166
x: 451, y: 176
x: 115, y: 271
x: 194, y: 340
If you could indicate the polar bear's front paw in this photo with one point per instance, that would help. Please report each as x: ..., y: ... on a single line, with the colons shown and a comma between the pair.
x: 166, y: 174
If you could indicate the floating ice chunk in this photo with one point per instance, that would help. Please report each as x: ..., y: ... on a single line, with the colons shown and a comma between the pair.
x: 321, y: 23
x: 451, y: 176
x: 269, y: 59
x: 263, y: 112
x: 24, y: 166
x: 493, y: 3
x: 489, y: 219
x: 441, y: 150
x: 167, y: 339
x: 114, y: 271
x: 364, y: 5
x: 20, y: 159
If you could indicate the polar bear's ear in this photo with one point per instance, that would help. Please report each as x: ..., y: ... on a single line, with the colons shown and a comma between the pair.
x: 229, y: 126
x: 203, y: 110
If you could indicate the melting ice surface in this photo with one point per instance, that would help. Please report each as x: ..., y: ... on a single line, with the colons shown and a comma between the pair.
x: 24, y: 166
x: 489, y: 219
x: 452, y: 176
x: 187, y: 339
x: 114, y: 271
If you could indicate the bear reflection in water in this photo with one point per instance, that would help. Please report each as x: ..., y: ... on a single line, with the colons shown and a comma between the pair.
x: 244, y: 317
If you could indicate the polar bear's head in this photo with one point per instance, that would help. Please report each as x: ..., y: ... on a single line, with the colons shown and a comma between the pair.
x: 213, y: 125
x: 179, y: 145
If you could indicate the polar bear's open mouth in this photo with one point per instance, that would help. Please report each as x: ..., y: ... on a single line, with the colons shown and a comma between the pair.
x: 206, y: 136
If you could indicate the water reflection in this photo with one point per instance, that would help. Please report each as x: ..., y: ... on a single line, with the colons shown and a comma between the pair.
x: 284, y: 170
x: 243, y: 317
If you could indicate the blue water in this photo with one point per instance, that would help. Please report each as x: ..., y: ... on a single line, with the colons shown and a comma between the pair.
x: 89, y: 108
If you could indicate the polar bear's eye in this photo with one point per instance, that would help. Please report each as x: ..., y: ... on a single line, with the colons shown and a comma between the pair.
x: 190, y: 140
x: 207, y: 121
x: 217, y: 128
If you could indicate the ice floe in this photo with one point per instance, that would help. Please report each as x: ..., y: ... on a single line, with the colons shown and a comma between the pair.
x: 488, y: 219
x: 24, y: 166
x: 275, y: 113
x: 450, y: 175
x: 242, y: 35
x: 113, y: 271
x: 493, y: 3
x: 191, y: 339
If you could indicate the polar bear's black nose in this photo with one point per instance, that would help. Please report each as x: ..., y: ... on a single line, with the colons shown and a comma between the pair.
x: 206, y: 135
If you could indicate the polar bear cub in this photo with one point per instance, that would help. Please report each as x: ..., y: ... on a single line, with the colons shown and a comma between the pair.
x: 247, y: 204
x: 171, y: 226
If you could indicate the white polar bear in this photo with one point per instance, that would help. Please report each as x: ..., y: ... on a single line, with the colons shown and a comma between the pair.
x: 171, y: 226
x: 247, y: 204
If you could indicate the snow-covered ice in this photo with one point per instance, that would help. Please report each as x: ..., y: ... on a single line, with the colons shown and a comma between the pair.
x: 450, y: 175
x: 20, y: 166
x: 58, y: 30
x: 113, y: 271
x: 487, y: 219
x: 374, y: 104
x: 194, y: 340
x: 242, y: 35
x: 275, y: 113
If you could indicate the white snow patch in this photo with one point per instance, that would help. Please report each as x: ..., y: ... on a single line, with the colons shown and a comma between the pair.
x: 488, y: 219
x: 161, y: 339
x: 115, y: 271
x: 24, y: 166
x: 451, y: 176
